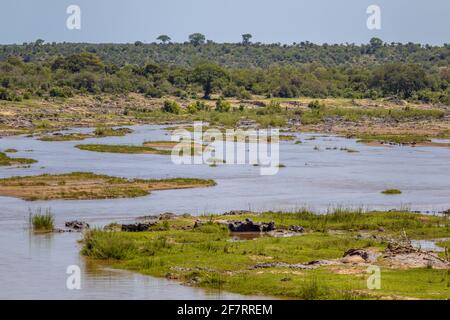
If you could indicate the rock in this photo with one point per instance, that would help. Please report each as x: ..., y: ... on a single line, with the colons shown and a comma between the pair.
x: 249, y: 226
x: 238, y: 212
x: 148, y: 218
x: 167, y: 216
x: 137, y: 227
x: 405, y: 255
x: 198, y: 223
x: 359, y: 256
x: 297, y: 229
x: 77, y: 225
x: 299, y: 266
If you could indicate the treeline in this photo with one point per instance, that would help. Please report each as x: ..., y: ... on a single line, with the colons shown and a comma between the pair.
x: 64, y: 75
x: 239, y: 55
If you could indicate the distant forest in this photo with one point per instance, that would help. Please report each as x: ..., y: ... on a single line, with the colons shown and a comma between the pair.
x: 374, y: 70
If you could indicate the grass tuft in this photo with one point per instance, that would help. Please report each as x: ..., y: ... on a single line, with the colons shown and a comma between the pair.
x: 42, y: 222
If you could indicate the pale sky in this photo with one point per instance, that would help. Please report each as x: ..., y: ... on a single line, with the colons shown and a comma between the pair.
x: 285, y: 21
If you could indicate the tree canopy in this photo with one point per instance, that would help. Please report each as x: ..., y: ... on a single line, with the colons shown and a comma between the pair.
x: 407, y: 71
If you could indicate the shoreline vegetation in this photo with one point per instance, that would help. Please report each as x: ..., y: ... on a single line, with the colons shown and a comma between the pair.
x: 99, y: 132
x: 184, y: 147
x: 5, y: 160
x: 303, y: 256
x: 374, y: 122
x: 42, y: 222
x: 109, y: 148
x: 89, y: 186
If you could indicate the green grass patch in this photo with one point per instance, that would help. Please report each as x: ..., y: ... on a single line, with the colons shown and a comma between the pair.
x: 86, y: 185
x: 42, y: 222
x: 205, y: 256
x: 391, y: 192
x: 99, y: 132
x: 393, y: 138
x: 8, y: 161
x: 122, y: 149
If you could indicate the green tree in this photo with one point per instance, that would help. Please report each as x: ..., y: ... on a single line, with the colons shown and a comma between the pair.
x: 375, y: 44
x: 164, y: 38
x: 400, y: 79
x: 197, y: 39
x: 208, y: 76
x: 246, y: 38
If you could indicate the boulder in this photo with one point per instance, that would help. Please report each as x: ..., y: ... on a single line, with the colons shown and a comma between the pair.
x: 250, y: 226
x: 167, y: 216
x: 297, y: 229
x: 238, y: 212
x: 77, y: 225
x: 359, y: 256
x: 137, y: 227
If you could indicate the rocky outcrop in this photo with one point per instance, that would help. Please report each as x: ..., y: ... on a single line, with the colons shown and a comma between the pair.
x: 298, y: 266
x: 250, y: 226
x: 137, y: 227
x: 360, y: 256
x: 238, y: 213
x: 167, y: 216
x: 76, y: 225
x: 405, y: 255
x: 297, y: 229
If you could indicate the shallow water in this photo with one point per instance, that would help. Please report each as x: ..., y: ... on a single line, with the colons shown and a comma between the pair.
x: 34, y: 266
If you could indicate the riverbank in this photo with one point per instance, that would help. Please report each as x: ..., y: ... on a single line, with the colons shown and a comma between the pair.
x: 363, y: 118
x: 298, y: 255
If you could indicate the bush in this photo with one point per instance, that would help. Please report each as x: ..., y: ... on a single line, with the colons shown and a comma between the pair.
x: 273, y: 108
x: 315, y: 105
x: 5, y: 94
x: 222, y: 106
x: 171, y: 107
x: 154, y: 93
x: 61, y: 92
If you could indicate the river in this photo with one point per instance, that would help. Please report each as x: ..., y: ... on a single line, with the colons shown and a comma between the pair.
x: 318, y: 174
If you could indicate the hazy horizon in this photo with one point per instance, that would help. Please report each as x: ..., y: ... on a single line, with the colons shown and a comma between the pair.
x: 282, y: 21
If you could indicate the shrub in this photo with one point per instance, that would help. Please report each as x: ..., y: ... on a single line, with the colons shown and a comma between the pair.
x: 61, y: 92
x: 222, y: 106
x: 315, y: 105
x: 171, y: 107
x: 5, y: 94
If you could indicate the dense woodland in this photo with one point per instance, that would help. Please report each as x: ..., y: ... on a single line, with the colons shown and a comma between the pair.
x: 241, y: 70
